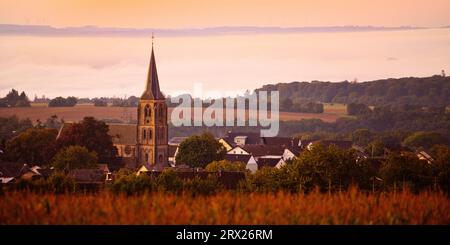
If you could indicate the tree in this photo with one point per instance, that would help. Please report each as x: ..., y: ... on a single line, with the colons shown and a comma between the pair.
x: 286, y: 104
x: 199, y: 150
x: 30, y: 145
x: 225, y: 165
x: 12, y: 126
x: 74, y: 157
x: 424, y: 139
x: 62, y: 102
x: 357, y: 109
x: 89, y: 133
x: 441, y: 166
x: 99, y: 102
x: 331, y: 168
x: 13, y: 99
x: 362, y: 137
x: 406, y: 170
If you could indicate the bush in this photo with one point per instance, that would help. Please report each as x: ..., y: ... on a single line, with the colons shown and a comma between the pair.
x: 169, y: 181
x: 225, y: 165
x: 406, y: 170
x: 59, y: 183
x: 202, y: 186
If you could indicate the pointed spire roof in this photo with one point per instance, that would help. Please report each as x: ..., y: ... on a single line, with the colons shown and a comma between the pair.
x: 152, y: 91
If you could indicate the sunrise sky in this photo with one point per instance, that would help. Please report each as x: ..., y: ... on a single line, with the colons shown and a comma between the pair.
x: 205, y: 13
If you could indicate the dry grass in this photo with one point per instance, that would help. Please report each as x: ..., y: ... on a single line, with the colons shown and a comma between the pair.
x: 352, y: 207
x: 42, y: 112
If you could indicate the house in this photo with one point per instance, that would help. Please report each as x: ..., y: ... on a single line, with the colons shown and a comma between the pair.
x: 233, y: 139
x: 173, y: 151
x: 150, y: 168
x: 248, y: 160
x: 271, y: 162
x: 423, y: 155
x: 176, y: 140
x: 88, y: 179
x: 104, y: 168
x: 257, y: 151
x: 18, y: 171
x: 342, y: 144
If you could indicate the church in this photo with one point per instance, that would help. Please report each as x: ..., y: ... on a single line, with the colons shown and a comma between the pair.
x: 149, y: 146
x: 144, y: 144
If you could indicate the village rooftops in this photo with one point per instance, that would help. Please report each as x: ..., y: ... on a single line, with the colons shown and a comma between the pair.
x: 342, y: 144
x: 88, y: 176
x: 264, y: 150
x: 238, y: 158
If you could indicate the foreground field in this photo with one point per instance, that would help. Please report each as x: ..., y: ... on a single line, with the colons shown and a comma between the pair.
x: 42, y: 112
x: 351, y: 207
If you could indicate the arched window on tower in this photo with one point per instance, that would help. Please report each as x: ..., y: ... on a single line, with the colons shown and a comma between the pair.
x: 150, y: 134
x: 144, y: 134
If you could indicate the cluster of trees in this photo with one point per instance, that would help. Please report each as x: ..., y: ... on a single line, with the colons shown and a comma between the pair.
x: 355, y: 109
x: 80, y: 145
x: 63, y: 102
x: 380, y: 119
x: 100, y: 102
x: 131, y: 101
x: 429, y: 91
x: 288, y: 104
x: 14, y: 99
x: 168, y: 181
x: 57, y: 183
x: 12, y: 126
x: 333, y: 169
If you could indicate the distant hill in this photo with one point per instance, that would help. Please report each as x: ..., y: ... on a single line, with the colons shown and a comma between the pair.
x: 45, y: 30
x: 427, y: 91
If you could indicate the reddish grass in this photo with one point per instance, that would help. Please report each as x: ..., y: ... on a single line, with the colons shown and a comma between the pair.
x: 350, y: 207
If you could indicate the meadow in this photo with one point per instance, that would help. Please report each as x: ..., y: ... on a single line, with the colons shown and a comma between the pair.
x: 350, y: 207
x: 42, y: 112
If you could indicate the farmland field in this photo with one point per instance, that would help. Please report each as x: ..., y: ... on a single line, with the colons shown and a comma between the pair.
x: 42, y: 112
x: 352, y: 207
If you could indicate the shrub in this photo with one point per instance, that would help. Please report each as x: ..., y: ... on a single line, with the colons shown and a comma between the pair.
x: 169, y: 181
x: 129, y: 183
x: 202, y: 186
x: 59, y: 183
x: 225, y: 165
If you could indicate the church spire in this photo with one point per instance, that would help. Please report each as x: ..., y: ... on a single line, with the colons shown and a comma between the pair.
x: 152, y: 91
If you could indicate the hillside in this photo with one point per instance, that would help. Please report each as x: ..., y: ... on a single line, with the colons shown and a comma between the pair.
x: 428, y: 91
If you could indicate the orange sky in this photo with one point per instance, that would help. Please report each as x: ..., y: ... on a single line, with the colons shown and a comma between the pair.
x: 203, y: 13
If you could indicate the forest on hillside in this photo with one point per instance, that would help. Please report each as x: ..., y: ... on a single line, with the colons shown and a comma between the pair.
x: 427, y: 91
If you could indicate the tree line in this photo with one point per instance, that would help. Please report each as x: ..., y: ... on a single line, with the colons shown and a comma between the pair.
x: 427, y: 91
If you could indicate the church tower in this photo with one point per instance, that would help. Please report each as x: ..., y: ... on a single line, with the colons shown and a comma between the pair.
x: 152, y: 129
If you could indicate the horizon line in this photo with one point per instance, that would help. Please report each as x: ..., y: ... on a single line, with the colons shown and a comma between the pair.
x: 93, y: 30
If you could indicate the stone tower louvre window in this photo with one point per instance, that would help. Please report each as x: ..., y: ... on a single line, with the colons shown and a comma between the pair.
x: 144, y: 134
x: 147, y: 113
x: 150, y: 134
